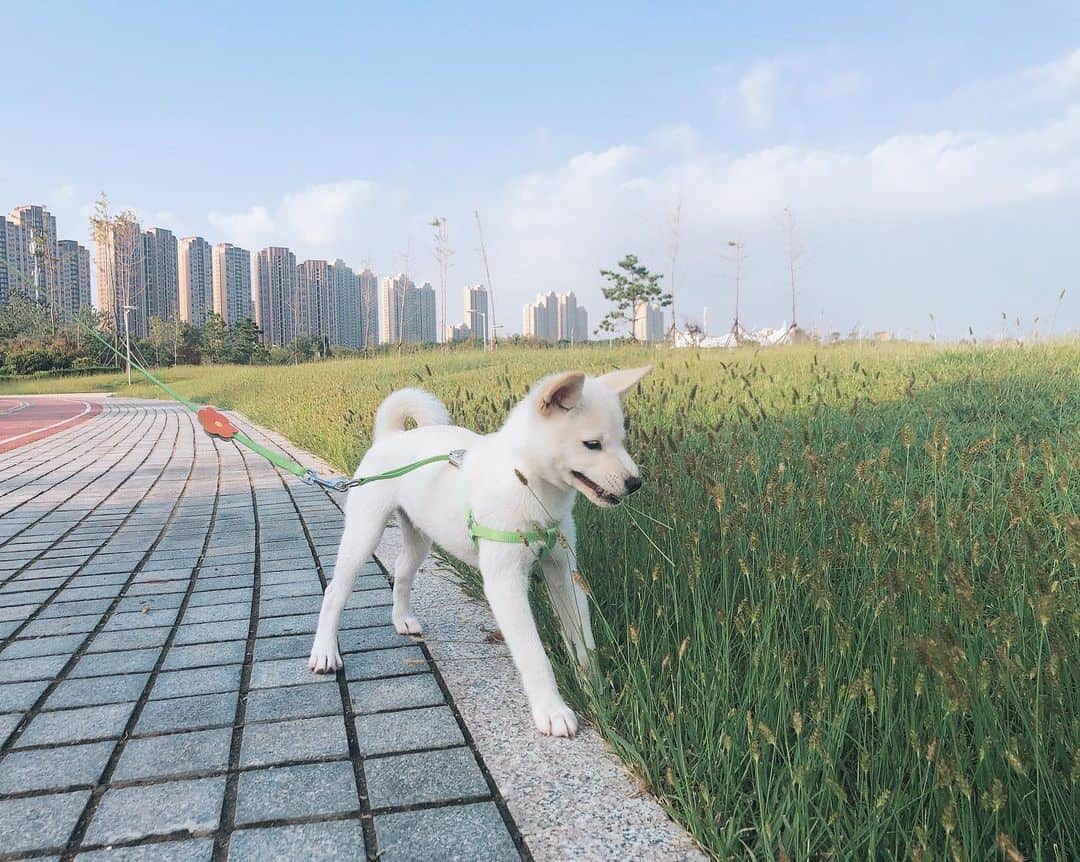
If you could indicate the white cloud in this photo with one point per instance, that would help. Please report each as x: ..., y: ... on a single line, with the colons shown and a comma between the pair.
x: 757, y: 92
x: 318, y: 217
x: 1055, y: 80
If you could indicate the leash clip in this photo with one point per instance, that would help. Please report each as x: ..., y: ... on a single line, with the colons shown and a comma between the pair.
x: 456, y: 457
x: 312, y: 478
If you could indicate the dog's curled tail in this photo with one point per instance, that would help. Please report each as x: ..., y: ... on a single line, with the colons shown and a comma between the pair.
x: 416, y: 404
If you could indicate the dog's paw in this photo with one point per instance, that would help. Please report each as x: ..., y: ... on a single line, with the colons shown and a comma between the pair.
x: 324, y: 660
x: 556, y: 721
x: 407, y: 625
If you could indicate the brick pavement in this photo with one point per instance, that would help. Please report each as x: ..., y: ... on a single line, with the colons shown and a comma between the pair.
x: 158, y: 593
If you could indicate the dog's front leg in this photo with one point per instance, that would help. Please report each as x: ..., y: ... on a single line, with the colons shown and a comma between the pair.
x: 568, y: 598
x: 506, y: 584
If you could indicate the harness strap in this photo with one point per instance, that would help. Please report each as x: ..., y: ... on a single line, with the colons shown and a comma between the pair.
x: 546, y: 537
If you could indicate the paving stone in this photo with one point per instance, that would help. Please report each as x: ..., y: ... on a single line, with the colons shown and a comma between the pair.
x: 65, y: 609
x: 130, y: 604
x: 61, y: 626
x: 185, y: 713
x: 426, y: 776
x: 294, y: 701
x: 198, y: 850
x: 479, y: 835
x: 128, y: 813
x: 403, y: 692
x: 123, y: 661
x: 385, y: 662
x: 376, y: 637
x: 204, y: 655
x: 141, y: 620
x: 53, y: 768
x: 130, y: 639
x: 198, y: 633
x: 31, y: 647
x: 17, y: 613
x: 355, y: 618
x: 203, y: 680
x: 300, y: 739
x: 8, y: 722
x: 304, y: 605
x: 76, y: 725
x: 174, y: 755
x: 216, y: 613
x: 96, y: 690
x: 290, y: 671
x: 408, y: 730
x: 26, y: 669
x: 371, y: 598
x: 9, y: 598
x: 293, y: 625
x: 208, y: 593
x: 288, y: 792
x: 288, y: 646
x: 39, y: 822
x: 292, y: 589
x: 20, y: 696
x: 312, y: 842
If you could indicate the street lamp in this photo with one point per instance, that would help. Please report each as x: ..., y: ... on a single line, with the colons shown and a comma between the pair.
x: 127, y: 338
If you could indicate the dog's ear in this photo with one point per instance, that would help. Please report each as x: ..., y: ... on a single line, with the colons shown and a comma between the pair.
x: 621, y: 382
x: 561, y: 393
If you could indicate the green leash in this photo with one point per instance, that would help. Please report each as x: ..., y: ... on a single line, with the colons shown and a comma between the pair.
x: 218, y: 425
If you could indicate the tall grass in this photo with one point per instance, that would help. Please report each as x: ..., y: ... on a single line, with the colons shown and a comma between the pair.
x: 842, y: 618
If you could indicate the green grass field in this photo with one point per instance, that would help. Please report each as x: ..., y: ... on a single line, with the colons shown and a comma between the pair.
x: 842, y: 618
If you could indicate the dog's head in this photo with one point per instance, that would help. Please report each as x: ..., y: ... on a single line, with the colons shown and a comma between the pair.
x: 578, y: 428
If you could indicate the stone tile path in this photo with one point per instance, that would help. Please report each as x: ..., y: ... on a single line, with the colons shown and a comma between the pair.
x: 158, y: 593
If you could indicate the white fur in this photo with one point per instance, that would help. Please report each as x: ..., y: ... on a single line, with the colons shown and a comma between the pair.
x: 542, y: 439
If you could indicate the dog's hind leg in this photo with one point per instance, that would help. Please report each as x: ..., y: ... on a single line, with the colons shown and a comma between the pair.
x: 414, y: 547
x: 365, y: 520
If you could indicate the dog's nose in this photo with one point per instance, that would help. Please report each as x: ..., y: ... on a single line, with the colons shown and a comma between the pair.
x: 632, y: 484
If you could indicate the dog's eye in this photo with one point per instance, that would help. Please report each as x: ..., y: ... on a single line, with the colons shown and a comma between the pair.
x: 592, y: 444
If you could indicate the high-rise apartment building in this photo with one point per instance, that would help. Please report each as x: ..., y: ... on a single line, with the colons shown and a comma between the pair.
x: 73, y: 276
x: 648, y: 321
x: 232, y: 283
x: 581, y: 331
x: 15, y: 252
x: 555, y: 317
x: 476, y: 316
x: 38, y: 236
x: 121, y: 275
x: 316, y: 308
x: 346, y: 292
x: 196, y: 279
x: 369, y: 309
x: 408, y: 311
x: 275, y: 295
x: 426, y: 324
x: 160, y: 257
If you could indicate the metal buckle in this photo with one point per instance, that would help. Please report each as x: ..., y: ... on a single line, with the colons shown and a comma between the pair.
x: 456, y: 457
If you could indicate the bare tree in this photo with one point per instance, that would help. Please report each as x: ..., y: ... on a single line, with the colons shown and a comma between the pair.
x: 487, y: 276
x: 443, y: 253
x: 673, y: 253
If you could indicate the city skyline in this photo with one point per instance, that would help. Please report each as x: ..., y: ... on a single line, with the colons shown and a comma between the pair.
x: 924, y: 151
x: 150, y: 273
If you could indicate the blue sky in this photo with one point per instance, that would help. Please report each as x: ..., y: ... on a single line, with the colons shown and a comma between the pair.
x: 931, y: 154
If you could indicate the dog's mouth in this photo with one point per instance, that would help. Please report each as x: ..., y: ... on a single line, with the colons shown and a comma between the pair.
x: 597, y: 494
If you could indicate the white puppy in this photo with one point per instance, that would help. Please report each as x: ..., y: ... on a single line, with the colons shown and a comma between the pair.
x: 565, y: 437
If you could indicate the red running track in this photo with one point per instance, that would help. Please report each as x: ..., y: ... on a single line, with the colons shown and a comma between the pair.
x: 24, y: 419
